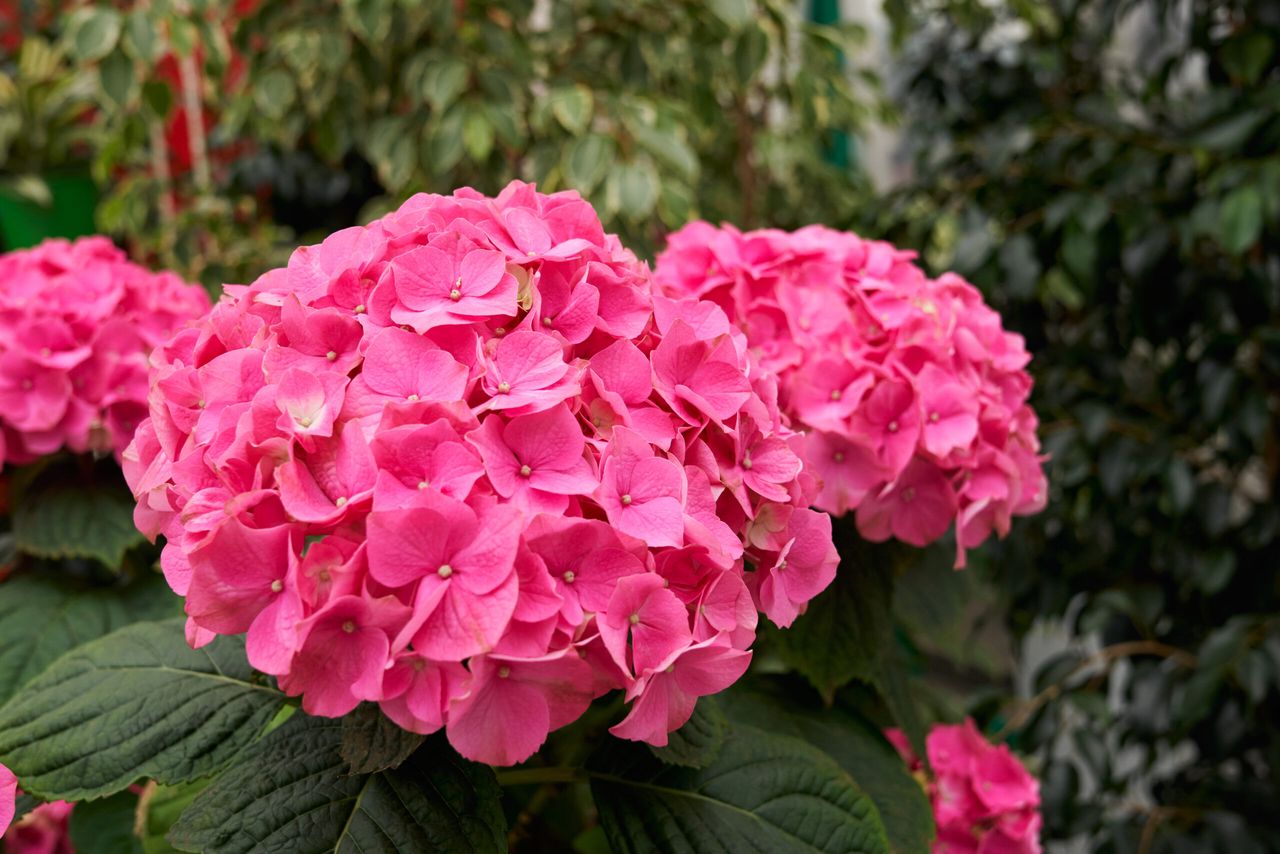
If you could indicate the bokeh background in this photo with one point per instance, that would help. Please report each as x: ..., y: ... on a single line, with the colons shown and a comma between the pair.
x: 1107, y: 171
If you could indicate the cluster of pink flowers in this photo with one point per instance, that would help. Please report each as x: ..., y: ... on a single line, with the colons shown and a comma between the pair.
x: 462, y: 463
x: 911, y: 394
x: 42, y: 831
x: 984, y: 800
x: 77, y: 322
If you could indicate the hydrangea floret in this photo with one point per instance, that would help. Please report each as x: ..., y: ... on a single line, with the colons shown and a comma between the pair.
x: 8, y: 798
x: 77, y: 322
x: 912, y: 396
x: 462, y: 463
x: 984, y: 800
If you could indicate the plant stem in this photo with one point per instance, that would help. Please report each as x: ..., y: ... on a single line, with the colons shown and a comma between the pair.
x: 526, y: 776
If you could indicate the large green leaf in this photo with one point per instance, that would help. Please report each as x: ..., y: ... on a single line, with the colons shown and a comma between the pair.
x: 42, y: 617
x: 855, y: 745
x: 764, y: 792
x: 844, y: 632
x: 135, y: 703
x: 698, y: 742
x: 59, y: 514
x: 372, y: 742
x: 293, y: 793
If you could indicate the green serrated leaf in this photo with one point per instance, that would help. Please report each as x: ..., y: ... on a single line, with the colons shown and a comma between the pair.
x: 24, y: 804
x: 843, y: 633
x: 60, y: 518
x: 43, y: 617
x: 372, y: 742
x: 135, y: 703
x: 764, y: 793
x: 105, y: 826
x: 698, y: 742
x: 293, y: 793
x: 855, y: 744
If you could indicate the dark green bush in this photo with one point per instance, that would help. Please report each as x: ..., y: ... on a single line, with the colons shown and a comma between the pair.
x: 1107, y: 171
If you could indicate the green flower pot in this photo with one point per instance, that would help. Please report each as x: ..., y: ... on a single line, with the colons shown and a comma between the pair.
x: 24, y: 222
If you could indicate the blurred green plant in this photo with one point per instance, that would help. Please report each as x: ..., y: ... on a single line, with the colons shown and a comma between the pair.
x: 44, y: 108
x: 1107, y: 170
x: 656, y: 111
x: 227, y: 132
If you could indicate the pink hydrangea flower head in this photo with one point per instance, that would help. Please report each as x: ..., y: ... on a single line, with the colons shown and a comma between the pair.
x: 44, y: 830
x: 984, y: 799
x: 911, y: 396
x: 460, y: 463
x: 78, y: 321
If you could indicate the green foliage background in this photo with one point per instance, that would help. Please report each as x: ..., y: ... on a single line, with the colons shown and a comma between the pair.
x: 1108, y: 172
